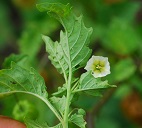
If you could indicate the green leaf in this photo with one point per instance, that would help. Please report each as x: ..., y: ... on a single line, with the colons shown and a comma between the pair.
x: 126, y: 10
x: 18, y: 79
x: 36, y: 124
x: 78, y: 120
x: 61, y: 91
x: 21, y: 60
x: 59, y: 103
x: 120, y: 37
x: 81, y: 111
x: 68, y: 53
x: 91, y: 85
x: 32, y: 124
x: 56, y: 54
x: 30, y: 42
x: 123, y: 70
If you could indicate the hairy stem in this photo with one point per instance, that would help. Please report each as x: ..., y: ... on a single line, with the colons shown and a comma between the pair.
x: 47, y: 103
x: 67, y: 100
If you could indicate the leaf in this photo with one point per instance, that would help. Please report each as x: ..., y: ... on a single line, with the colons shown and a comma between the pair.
x: 59, y: 103
x: 30, y: 42
x: 18, y: 79
x: 91, y: 85
x: 126, y: 10
x: 120, y: 37
x: 81, y: 112
x: 19, y: 59
x: 56, y: 54
x: 68, y: 53
x: 78, y: 120
x: 36, y: 124
x: 123, y: 70
x: 61, y: 91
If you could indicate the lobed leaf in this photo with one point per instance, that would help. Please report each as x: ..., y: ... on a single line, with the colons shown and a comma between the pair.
x: 56, y: 54
x: 74, y: 41
x: 78, y: 120
x: 18, y: 79
x: 36, y: 124
x: 59, y: 103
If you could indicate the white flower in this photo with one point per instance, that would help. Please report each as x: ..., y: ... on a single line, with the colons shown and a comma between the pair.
x: 99, y: 66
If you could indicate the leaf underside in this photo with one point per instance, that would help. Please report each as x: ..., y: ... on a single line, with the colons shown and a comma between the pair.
x: 59, y: 103
x: 73, y: 45
x: 36, y: 124
x: 91, y: 85
x: 18, y: 79
x: 78, y: 120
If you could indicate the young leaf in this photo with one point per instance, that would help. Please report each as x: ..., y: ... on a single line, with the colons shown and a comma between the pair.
x: 36, y: 124
x: 73, y: 42
x: 59, y: 103
x: 56, y: 54
x: 20, y: 59
x: 78, y: 120
x: 61, y: 91
x: 90, y: 85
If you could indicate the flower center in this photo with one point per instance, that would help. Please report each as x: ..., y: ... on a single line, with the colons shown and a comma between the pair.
x: 98, y: 67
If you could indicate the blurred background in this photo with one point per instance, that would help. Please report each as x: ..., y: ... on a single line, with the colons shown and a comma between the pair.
x: 117, y: 35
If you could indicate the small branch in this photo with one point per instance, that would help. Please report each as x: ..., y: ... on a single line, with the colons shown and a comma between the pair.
x: 95, y: 111
x: 90, y: 120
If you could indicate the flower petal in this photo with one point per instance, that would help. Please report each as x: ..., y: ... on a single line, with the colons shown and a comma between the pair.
x: 99, y: 66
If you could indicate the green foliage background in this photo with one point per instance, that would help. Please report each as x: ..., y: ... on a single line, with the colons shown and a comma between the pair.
x: 117, y: 34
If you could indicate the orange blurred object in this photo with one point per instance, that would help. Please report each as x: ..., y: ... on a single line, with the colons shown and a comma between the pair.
x: 6, y: 122
x: 132, y: 107
x: 24, y: 3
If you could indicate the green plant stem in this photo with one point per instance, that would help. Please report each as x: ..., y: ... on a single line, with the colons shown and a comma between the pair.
x: 44, y: 100
x: 50, y: 106
x: 75, y: 86
x: 67, y: 100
